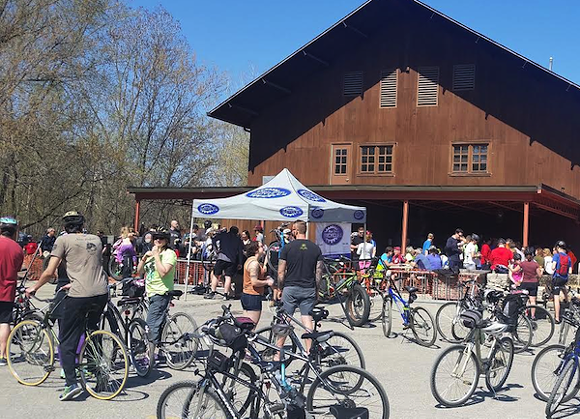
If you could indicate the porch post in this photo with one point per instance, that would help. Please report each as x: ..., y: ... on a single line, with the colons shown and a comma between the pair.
x: 526, y: 223
x: 405, y: 226
x: 137, y: 210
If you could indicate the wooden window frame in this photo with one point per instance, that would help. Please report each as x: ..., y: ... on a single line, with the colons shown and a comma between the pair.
x: 470, y: 172
x: 359, y: 172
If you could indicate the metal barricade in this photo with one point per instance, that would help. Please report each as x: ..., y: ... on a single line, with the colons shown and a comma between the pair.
x: 197, y: 273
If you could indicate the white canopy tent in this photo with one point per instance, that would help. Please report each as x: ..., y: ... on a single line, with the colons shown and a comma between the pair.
x: 283, y: 198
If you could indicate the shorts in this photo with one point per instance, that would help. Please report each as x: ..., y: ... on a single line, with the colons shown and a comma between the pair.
x: 226, y: 268
x: 251, y: 302
x: 6, y: 308
x: 531, y: 287
x: 298, y: 297
x: 558, y: 284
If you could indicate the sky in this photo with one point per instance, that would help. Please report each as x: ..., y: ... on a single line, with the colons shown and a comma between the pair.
x: 244, y: 38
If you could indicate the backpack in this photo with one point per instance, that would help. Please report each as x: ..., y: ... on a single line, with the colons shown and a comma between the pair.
x: 563, y: 265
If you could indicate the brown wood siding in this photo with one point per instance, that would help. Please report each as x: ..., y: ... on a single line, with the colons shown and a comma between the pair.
x: 529, y: 120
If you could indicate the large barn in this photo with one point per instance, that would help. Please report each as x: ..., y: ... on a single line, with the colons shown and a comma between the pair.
x: 427, y: 123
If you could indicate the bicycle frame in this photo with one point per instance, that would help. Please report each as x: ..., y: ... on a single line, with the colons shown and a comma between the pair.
x: 474, y: 342
x: 399, y: 301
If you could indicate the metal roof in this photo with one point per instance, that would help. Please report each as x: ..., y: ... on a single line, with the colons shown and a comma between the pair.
x: 279, y: 81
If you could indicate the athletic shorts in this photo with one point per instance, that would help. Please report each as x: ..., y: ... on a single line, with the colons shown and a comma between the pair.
x: 6, y: 312
x: 298, y: 297
x: 226, y: 268
x: 558, y: 284
x: 251, y: 302
x: 531, y: 287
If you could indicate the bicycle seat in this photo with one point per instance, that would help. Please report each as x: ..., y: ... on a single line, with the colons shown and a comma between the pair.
x: 175, y: 293
x: 128, y: 301
x: 412, y: 290
x: 319, y: 336
x: 319, y: 313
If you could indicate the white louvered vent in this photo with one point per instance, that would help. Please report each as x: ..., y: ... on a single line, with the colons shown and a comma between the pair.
x: 389, y: 89
x: 428, y: 86
x: 463, y: 77
x: 353, y: 83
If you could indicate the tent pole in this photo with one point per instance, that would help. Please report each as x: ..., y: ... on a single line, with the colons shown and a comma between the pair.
x: 189, y: 251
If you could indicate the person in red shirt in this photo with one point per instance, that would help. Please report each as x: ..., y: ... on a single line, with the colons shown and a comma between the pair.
x: 31, y: 247
x: 531, y: 277
x: 573, y: 258
x: 485, y: 254
x: 11, y: 258
x: 500, y: 257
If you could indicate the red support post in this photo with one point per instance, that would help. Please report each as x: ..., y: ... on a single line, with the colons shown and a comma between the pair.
x: 405, y: 226
x: 526, y: 224
x: 137, y: 209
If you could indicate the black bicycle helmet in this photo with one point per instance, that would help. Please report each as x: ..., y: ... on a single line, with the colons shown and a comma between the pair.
x: 207, y: 224
x: 8, y: 225
x: 162, y: 234
x: 561, y: 244
x: 73, y: 218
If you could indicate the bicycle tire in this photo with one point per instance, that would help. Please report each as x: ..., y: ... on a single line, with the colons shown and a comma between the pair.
x: 357, y: 305
x: 269, y: 353
x: 544, y: 372
x: 92, y: 363
x: 422, y: 320
x: 114, y: 270
x: 18, y: 340
x: 435, y: 391
x: 563, y: 334
x: 333, y: 351
x: 138, y: 344
x: 189, y: 390
x: 497, y: 358
x: 522, y: 334
x: 444, y: 313
x: 561, y: 387
x: 273, y: 248
x: 336, y: 387
x: 387, y: 316
x: 542, y: 327
x: 241, y: 404
x: 376, y: 307
x: 180, y: 336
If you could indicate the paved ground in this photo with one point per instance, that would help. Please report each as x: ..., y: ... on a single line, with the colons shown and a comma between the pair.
x: 402, y: 366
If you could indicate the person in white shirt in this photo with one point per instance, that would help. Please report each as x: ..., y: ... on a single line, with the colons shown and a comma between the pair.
x: 548, y: 269
x: 365, y: 252
x: 470, y: 252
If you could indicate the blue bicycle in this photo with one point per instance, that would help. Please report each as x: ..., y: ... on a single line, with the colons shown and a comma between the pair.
x: 418, y: 319
x: 568, y: 382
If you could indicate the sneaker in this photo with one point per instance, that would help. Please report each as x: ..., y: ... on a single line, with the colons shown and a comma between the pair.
x: 70, y: 392
x: 3, y: 362
x: 209, y: 296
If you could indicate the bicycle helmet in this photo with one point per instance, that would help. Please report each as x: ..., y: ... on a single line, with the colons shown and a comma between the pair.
x: 8, y: 225
x: 73, y: 218
x: 162, y: 234
x: 561, y: 244
x: 207, y: 224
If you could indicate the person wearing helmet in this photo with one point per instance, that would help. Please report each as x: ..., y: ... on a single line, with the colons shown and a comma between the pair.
x: 82, y: 256
x: 158, y: 265
x: 562, y: 267
x: 11, y: 259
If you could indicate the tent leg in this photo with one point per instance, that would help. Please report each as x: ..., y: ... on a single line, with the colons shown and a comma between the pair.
x: 189, y: 252
x: 405, y: 227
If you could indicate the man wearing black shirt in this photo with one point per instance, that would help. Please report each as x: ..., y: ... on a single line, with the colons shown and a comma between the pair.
x: 356, y: 240
x: 453, y: 249
x: 300, y: 270
x: 229, y: 260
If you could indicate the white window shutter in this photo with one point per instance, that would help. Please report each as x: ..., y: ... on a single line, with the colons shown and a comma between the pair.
x: 428, y: 86
x: 389, y: 89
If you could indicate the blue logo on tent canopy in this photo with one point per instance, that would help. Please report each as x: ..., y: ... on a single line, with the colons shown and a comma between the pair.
x: 268, y: 193
x: 317, y: 213
x: 291, y: 212
x: 208, y: 209
x: 332, y: 234
x: 359, y: 215
x: 311, y: 196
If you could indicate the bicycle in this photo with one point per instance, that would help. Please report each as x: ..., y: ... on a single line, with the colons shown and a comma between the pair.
x: 375, y: 282
x: 455, y: 373
x: 573, y: 312
x: 418, y: 319
x: 567, y: 372
x: 274, y: 249
x: 337, y: 349
x: 208, y: 395
x: 131, y: 330
x: 103, y: 363
x: 177, y: 341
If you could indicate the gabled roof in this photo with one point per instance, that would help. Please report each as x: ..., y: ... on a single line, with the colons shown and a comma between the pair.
x: 279, y: 81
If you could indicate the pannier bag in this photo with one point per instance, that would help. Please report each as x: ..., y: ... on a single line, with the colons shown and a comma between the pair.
x: 341, y: 412
x: 471, y: 318
x: 233, y: 336
x: 510, y: 308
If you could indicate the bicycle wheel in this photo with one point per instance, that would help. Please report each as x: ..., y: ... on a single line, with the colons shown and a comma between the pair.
x: 30, y: 353
x: 182, y: 400
x: 340, y: 349
x: 239, y: 395
x: 269, y: 353
x: 423, y: 326
x: 543, y: 325
x: 376, y: 301
x: 273, y: 251
x: 349, y: 390
x: 563, y: 333
x: 357, y: 305
x: 104, y: 365
x: 545, y: 370
x: 139, y: 349
x: 387, y: 315
x: 522, y: 334
x: 561, y: 386
x: 499, y: 364
x: 445, y: 319
x: 115, y: 269
x: 177, y: 341
x: 454, y: 378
